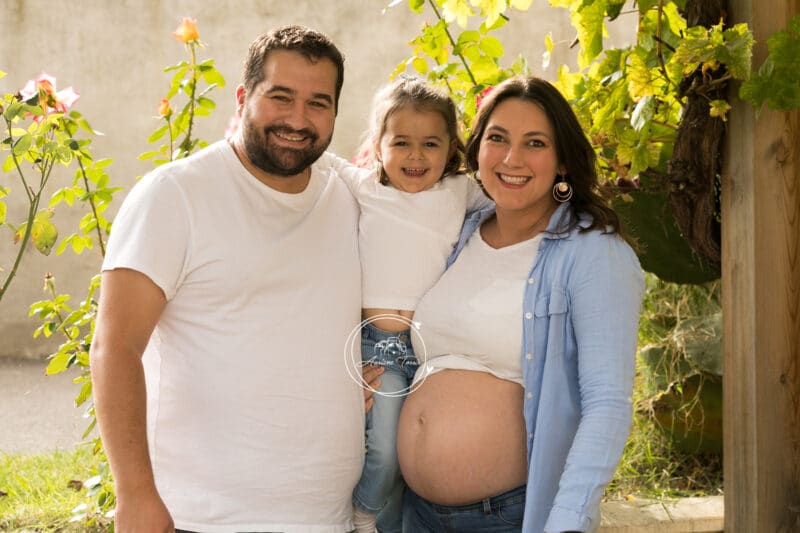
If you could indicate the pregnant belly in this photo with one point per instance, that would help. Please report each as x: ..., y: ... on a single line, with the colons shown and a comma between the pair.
x: 461, y: 437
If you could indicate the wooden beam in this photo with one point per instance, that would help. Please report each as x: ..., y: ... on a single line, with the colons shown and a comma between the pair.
x: 761, y: 301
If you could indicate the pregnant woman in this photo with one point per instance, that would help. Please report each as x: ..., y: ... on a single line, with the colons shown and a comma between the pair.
x: 530, y: 336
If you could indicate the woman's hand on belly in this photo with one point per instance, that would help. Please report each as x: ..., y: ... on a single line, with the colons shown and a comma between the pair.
x: 461, y: 437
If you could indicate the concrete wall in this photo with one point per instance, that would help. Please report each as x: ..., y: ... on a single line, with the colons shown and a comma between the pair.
x: 112, y: 52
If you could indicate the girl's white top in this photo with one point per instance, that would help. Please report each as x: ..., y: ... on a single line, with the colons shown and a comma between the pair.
x: 405, y: 238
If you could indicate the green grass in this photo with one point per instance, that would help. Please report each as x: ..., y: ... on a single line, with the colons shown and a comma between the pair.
x: 652, y: 467
x: 40, y: 490
x: 40, y: 496
x: 656, y: 464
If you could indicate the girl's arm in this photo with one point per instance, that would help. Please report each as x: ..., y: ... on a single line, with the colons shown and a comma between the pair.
x: 351, y: 174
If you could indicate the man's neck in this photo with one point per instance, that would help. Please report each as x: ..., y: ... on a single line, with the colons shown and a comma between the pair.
x: 286, y: 184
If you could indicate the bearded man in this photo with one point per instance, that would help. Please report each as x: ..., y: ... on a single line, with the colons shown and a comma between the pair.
x: 229, y: 288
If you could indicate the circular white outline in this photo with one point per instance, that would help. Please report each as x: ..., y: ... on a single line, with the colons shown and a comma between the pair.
x: 357, y: 363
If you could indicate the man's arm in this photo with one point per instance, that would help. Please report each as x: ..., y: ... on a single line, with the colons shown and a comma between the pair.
x: 130, y: 306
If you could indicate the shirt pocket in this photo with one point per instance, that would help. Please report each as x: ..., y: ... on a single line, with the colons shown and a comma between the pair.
x: 550, y: 323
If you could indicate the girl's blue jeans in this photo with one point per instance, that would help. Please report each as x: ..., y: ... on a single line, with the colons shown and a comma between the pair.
x: 499, y: 514
x: 380, y: 489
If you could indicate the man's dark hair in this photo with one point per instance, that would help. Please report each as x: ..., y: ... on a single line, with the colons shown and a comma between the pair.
x: 312, y: 44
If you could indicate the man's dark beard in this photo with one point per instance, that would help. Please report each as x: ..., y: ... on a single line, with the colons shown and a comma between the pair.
x: 281, y: 161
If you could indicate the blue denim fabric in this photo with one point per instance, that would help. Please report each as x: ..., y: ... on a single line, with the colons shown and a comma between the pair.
x: 380, y: 486
x: 388, y: 349
x: 580, y: 321
x: 499, y: 514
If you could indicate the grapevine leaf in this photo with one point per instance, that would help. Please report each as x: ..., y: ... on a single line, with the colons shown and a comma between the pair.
x: 456, y: 10
x: 492, y: 46
x: 415, y: 5
x: 490, y: 9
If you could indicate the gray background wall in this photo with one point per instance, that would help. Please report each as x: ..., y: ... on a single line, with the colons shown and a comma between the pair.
x: 113, y: 51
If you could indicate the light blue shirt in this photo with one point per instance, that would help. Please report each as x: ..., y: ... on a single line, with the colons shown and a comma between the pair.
x: 580, y: 319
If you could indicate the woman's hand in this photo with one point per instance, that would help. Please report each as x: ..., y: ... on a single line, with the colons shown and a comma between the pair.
x: 370, y: 375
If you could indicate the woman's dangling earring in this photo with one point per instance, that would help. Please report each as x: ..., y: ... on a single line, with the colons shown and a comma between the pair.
x: 562, y: 190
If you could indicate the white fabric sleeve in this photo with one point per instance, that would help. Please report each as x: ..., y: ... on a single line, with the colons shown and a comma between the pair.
x: 476, y: 198
x: 151, y: 233
x: 349, y: 173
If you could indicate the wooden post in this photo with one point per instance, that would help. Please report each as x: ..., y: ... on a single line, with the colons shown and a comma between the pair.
x: 761, y: 301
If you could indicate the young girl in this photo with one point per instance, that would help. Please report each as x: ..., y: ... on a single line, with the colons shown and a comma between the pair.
x: 411, y: 216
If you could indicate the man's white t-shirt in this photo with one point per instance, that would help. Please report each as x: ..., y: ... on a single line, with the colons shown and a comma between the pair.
x: 254, y: 423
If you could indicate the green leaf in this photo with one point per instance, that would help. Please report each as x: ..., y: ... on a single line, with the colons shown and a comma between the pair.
x: 180, y: 65
x: 643, y: 113
x: 78, y: 243
x: 614, y: 8
x: 641, y: 76
x: 420, y: 65
x: 416, y: 5
x: 645, y: 6
x: 736, y: 52
x: 588, y: 20
x: 719, y: 108
x: 58, y: 364
x: 662, y: 249
x: 485, y: 71
x: 468, y: 36
x: 89, y: 429
x: 777, y: 81
x: 158, y: 133
x: 43, y: 232
x: 149, y: 155
x: 206, y: 103
x: 492, y: 46
x: 456, y: 10
x: 491, y: 9
x: 13, y: 111
x: 213, y: 76
x: 57, y: 197
x: 8, y: 164
x: 63, y: 244
x: 499, y: 23
x: 87, y: 223
x: 82, y: 357
x: 22, y: 145
x: 83, y: 395
x: 470, y: 52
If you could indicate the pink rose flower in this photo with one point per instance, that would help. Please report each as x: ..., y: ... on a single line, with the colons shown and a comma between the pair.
x: 50, y: 100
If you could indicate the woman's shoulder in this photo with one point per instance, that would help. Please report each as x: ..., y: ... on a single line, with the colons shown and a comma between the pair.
x: 597, y: 239
x: 580, y: 241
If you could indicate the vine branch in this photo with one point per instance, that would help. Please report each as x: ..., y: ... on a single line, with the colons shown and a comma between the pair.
x: 93, y: 206
x: 453, y: 42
